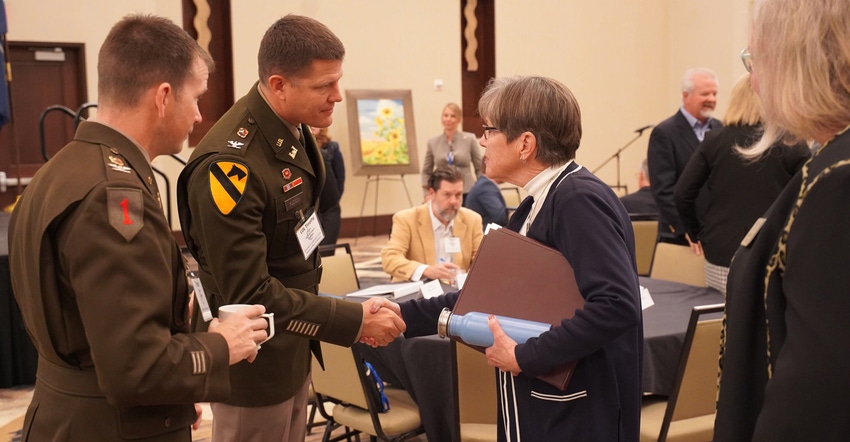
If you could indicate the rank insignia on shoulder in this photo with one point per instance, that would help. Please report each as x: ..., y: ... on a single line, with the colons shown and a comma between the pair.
x: 228, y: 180
x: 293, y: 151
x: 242, y: 132
x: 291, y: 185
x: 235, y: 144
x: 117, y: 164
x: 287, y: 174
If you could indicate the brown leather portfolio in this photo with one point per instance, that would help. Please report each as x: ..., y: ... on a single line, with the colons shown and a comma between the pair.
x: 518, y: 277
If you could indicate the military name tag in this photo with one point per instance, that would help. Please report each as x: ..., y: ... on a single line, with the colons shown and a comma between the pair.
x: 310, y: 234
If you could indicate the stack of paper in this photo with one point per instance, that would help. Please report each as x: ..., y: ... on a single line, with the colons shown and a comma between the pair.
x: 392, y: 291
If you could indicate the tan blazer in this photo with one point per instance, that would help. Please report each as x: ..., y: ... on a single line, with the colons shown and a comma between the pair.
x: 412, y: 241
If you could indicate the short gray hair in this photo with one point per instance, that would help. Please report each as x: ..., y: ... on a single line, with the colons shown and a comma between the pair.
x: 688, y: 78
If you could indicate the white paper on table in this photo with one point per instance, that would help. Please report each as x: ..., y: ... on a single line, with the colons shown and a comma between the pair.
x: 396, y: 290
x: 645, y: 298
x: 431, y: 289
x: 461, y: 279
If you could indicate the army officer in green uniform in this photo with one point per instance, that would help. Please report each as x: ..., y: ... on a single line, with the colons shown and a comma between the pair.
x: 97, y: 273
x: 248, y: 202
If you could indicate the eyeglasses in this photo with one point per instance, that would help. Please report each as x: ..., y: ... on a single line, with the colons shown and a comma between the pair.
x: 488, y: 129
x: 747, y: 59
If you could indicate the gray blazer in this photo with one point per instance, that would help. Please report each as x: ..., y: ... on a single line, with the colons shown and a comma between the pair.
x: 466, y: 151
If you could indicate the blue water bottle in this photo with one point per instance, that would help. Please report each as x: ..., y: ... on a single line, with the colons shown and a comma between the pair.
x: 472, y: 328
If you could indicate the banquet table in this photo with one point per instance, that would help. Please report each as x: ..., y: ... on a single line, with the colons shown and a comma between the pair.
x: 423, y: 365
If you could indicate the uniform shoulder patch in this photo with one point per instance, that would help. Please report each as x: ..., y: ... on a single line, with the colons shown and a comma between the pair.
x: 228, y: 180
x: 126, y: 211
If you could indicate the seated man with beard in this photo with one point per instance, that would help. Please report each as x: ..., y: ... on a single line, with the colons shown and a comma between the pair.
x: 436, y: 239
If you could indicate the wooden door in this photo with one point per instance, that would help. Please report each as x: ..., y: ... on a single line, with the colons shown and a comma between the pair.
x: 43, y: 75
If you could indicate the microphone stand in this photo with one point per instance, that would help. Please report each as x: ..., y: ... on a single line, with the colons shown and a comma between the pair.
x: 617, y: 156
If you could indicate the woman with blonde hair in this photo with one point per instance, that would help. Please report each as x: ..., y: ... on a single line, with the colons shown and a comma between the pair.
x: 785, y: 364
x: 740, y: 190
x: 453, y: 147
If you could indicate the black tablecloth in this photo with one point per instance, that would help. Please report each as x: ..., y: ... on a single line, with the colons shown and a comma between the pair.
x: 664, y: 326
x: 422, y: 366
x: 18, y: 358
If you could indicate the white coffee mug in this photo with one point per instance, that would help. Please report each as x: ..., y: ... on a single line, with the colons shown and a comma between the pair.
x: 226, y: 310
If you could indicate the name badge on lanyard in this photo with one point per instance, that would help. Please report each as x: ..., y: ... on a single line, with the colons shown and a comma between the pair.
x: 201, y: 296
x: 451, y: 244
x: 310, y: 234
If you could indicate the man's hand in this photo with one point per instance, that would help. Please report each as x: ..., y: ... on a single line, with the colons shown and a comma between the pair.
x: 696, y: 247
x: 444, y: 270
x: 242, y: 333
x: 501, y: 355
x: 199, y: 413
x: 381, y: 322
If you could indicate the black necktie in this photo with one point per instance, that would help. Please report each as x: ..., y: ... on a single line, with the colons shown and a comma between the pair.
x: 521, y: 213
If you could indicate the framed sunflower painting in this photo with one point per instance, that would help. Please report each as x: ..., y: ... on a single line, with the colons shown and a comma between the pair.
x: 382, y: 133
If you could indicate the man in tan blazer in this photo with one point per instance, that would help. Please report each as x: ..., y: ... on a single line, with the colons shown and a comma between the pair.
x: 437, y: 239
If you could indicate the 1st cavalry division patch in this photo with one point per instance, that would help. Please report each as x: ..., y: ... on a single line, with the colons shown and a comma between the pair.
x: 227, y: 183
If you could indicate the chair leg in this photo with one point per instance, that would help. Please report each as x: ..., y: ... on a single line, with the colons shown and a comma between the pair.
x: 329, y: 427
x: 312, y: 418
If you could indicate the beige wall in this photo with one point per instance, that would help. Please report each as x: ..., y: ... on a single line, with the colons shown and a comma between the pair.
x: 623, y: 59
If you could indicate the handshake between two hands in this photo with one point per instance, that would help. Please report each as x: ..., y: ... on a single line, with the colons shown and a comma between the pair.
x: 381, y: 322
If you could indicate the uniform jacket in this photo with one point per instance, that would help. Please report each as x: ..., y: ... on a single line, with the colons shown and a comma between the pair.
x: 584, y: 220
x: 465, y: 150
x: 412, y: 241
x: 241, y: 197
x: 740, y: 191
x: 102, y: 288
x: 486, y: 199
x: 671, y: 145
x: 800, y: 313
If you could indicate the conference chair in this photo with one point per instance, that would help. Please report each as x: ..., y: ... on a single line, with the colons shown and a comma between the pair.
x: 672, y: 262
x: 338, y: 278
x: 688, y: 414
x: 344, y: 382
x: 475, y: 398
x: 646, y: 232
x: 338, y: 274
x: 512, y: 198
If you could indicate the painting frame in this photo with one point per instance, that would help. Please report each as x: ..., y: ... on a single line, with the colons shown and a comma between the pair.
x: 394, y: 151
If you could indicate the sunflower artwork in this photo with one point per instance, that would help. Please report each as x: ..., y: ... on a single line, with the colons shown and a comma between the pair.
x: 382, y: 128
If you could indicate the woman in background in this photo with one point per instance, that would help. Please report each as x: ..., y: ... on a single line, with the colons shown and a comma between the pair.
x: 740, y: 189
x: 330, y: 212
x: 453, y: 147
x: 785, y: 364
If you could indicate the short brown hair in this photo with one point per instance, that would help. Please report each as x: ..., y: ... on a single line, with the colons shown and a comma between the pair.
x: 449, y: 174
x: 142, y: 51
x: 290, y: 45
x: 542, y: 106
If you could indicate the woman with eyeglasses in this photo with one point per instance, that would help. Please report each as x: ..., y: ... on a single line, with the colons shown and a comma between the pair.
x: 533, y: 129
x: 453, y: 147
x: 785, y: 367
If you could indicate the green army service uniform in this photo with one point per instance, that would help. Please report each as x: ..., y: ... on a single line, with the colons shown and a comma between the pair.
x: 103, y: 292
x: 247, y: 186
